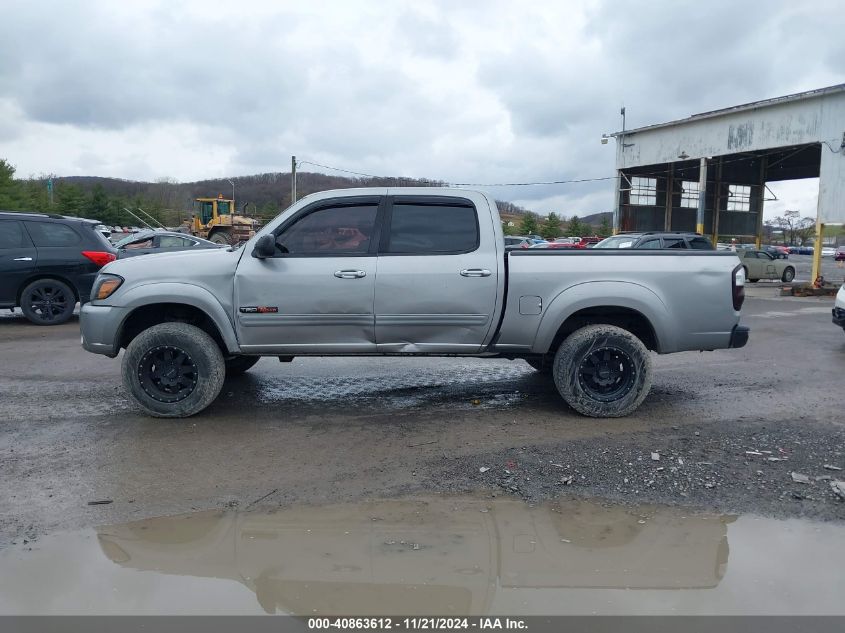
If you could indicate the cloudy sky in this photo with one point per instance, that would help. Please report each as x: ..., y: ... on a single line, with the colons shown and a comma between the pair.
x: 480, y: 92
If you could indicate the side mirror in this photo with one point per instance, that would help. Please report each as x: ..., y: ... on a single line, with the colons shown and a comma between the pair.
x: 265, y: 247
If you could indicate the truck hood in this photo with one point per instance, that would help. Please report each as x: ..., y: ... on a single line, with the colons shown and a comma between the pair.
x: 178, y: 266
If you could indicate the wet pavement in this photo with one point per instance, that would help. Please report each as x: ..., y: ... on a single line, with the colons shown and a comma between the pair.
x: 434, y: 555
x: 345, y: 429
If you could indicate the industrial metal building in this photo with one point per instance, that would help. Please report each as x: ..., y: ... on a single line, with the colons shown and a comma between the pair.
x: 708, y: 172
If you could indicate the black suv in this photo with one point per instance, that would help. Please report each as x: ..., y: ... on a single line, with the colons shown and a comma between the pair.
x: 657, y: 240
x: 48, y: 263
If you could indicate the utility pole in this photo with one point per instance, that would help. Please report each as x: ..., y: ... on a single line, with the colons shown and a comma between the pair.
x: 292, y: 179
x: 233, y: 188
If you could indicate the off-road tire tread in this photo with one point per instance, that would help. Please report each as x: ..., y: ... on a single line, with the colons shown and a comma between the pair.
x: 205, y: 354
x: 575, y: 347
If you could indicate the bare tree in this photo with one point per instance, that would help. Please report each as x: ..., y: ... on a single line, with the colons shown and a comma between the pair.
x: 795, y: 228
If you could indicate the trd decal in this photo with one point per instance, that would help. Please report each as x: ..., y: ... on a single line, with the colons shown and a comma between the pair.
x: 259, y: 309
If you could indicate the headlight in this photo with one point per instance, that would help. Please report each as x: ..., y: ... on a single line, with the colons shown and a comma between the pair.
x: 105, y: 286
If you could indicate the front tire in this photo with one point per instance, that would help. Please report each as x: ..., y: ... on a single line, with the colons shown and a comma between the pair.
x: 48, y: 302
x: 788, y: 274
x: 173, y: 370
x: 603, y: 371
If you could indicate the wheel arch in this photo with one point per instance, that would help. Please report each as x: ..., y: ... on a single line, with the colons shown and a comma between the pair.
x: 632, y: 307
x: 161, y: 303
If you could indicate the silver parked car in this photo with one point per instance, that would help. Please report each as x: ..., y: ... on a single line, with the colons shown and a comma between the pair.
x: 148, y: 242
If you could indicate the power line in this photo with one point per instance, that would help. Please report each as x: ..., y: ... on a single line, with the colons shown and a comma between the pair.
x: 529, y: 184
x: 346, y: 171
x: 545, y: 182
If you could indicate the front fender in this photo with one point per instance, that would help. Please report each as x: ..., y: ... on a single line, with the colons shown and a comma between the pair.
x: 595, y: 294
x: 188, y: 294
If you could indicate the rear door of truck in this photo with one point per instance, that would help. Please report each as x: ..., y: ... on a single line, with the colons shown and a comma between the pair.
x: 439, y: 279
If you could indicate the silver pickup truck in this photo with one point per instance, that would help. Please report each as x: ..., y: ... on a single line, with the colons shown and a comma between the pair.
x: 412, y: 272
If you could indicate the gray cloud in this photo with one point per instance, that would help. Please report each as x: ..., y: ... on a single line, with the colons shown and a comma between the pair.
x: 468, y: 92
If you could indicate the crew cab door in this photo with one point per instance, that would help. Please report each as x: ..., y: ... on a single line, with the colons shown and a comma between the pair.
x: 316, y: 294
x: 17, y: 260
x: 436, y: 289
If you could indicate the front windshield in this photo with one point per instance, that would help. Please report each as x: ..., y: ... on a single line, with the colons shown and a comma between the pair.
x: 617, y: 241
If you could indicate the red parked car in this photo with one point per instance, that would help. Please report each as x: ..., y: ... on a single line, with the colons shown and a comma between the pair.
x: 839, y: 255
x: 587, y: 242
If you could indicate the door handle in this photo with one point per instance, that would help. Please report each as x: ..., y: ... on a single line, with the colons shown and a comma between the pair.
x: 350, y: 274
x: 475, y: 272
x: 22, y: 259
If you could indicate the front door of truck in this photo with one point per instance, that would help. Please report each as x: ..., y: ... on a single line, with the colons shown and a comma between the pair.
x: 316, y: 294
x: 436, y: 286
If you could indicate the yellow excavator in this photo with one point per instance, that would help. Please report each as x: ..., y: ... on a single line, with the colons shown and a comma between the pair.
x: 215, y: 219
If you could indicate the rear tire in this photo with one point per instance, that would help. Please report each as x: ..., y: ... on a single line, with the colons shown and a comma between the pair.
x: 788, y: 274
x: 173, y: 370
x: 240, y: 364
x: 48, y: 302
x: 602, y: 371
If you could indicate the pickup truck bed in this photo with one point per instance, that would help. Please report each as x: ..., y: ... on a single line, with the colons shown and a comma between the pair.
x: 411, y: 271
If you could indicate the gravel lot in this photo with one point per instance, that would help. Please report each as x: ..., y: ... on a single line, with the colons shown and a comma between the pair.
x: 318, y: 430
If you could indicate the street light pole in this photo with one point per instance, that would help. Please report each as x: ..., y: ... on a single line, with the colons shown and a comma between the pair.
x: 233, y: 188
x: 292, y: 179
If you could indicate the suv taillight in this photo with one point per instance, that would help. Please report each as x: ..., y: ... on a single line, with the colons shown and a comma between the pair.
x: 101, y: 258
x: 738, y: 287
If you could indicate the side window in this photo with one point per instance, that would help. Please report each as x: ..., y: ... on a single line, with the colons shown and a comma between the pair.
x: 700, y: 244
x: 172, y: 241
x: 52, y: 234
x: 11, y: 234
x: 652, y: 243
x: 331, y: 231
x: 432, y: 229
x: 750, y: 255
x: 146, y: 242
x: 674, y: 242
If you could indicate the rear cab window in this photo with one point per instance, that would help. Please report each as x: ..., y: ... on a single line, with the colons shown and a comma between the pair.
x: 431, y: 226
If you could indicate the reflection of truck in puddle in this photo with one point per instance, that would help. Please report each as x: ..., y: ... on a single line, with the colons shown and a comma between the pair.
x: 439, y: 556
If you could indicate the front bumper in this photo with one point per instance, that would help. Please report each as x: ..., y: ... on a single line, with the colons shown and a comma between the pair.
x: 99, y: 326
x: 739, y: 336
x: 839, y: 317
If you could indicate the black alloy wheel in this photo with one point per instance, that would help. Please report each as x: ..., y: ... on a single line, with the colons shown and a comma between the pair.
x: 47, y: 302
x: 606, y: 374
x: 167, y: 374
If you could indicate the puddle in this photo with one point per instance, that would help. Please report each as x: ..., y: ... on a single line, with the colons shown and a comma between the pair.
x: 459, y: 555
